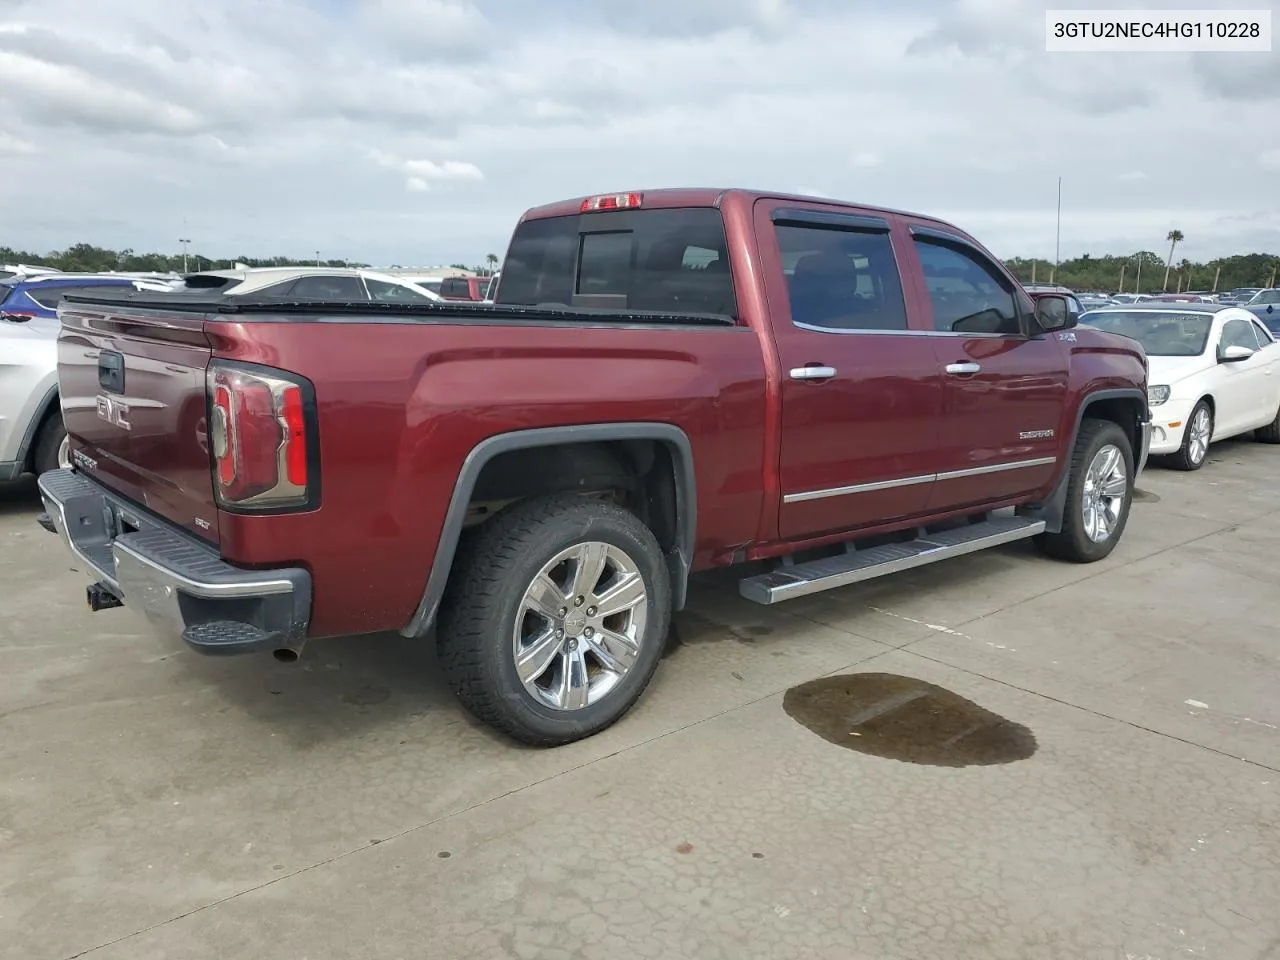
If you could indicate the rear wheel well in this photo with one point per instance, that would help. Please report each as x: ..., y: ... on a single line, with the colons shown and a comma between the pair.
x: 636, y: 474
x: 46, y: 415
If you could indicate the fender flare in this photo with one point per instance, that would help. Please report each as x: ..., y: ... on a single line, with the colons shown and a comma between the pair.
x: 679, y: 559
x: 1053, y: 508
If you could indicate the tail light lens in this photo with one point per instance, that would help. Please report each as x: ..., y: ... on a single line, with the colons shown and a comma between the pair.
x: 262, y: 437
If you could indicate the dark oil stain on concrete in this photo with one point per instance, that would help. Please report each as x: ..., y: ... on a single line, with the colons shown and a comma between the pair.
x: 685, y: 847
x: 689, y: 629
x: 1145, y: 496
x: 902, y: 718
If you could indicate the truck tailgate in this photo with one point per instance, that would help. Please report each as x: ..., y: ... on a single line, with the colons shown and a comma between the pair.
x: 134, y: 402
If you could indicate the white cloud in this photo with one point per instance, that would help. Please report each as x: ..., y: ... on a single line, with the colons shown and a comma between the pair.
x: 11, y: 146
x: 420, y: 173
x: 1133, y: 176
x: 253, y: 121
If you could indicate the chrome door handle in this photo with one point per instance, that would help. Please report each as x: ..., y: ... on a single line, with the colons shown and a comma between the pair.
x: 812, y: 373
x: 959, y: 368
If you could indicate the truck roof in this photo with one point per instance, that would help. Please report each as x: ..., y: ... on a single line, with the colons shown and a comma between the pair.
x: 709, y: 197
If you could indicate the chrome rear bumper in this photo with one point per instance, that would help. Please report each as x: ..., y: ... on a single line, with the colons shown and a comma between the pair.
x: 171, y: 576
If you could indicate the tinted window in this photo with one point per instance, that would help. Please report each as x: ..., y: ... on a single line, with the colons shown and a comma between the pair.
x: 604, y: 264
x: 968, y: 294
x: 49, y: 296
x: 1162, y: 334
x: 455, y: 287
x: 1239, y: 333
x: 276, y: 289
x: 672, y: 261
x: 385, y: 292
x: 841, y: 279
x: 328, y: 288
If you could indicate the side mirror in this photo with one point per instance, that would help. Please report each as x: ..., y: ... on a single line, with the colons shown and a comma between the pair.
x: 1234, y: 354
x: 1054, y: 313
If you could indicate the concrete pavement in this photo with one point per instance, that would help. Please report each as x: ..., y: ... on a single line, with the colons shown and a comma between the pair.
x: 1119, y: 800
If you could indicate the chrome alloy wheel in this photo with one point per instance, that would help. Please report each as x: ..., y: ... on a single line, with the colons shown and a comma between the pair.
x: 64, y: 453
x: 1198, y: 431
x: 580, y: 625
x: 1105, y: 487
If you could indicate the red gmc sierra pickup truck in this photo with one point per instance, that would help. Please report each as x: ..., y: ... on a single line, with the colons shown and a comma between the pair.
x: 669, y: 381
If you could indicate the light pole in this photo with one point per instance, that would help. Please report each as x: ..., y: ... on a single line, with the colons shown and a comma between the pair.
x: 1057, y: 240
x: 317, y: 258
x: 184, y: 241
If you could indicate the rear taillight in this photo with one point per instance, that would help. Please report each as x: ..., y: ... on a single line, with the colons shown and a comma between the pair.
x: 262, y: 438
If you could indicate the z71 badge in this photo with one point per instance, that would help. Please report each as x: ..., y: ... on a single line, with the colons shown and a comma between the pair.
x: 1035, y: 435
x: 1068, y: 336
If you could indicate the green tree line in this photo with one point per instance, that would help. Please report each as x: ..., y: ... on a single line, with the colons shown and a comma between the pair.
x: 1104, y: 274
x: 86, y: 258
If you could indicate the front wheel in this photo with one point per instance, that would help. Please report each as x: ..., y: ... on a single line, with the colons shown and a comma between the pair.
x: 1196, y: 437
x: 1099, y: 494
x: 555, y: 618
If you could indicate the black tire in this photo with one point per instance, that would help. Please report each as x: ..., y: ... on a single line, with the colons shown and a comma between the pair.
x: 1271, y: 432
x: 1073, y: 542
x: 487, y: 586
x: 1185, y: 459
x: 47, y: 443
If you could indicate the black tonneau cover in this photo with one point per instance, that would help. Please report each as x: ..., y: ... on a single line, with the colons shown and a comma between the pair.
x: 272, y: 308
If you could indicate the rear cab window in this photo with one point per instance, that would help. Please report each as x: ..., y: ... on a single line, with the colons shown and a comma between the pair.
x: 665, y: 260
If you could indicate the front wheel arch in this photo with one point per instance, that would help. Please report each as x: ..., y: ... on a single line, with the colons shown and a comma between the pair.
x: 1124, y: 406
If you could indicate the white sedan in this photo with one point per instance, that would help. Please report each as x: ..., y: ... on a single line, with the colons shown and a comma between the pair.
x: 1215, y: 373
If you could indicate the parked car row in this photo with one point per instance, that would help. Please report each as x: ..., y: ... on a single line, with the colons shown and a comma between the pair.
x: 32, y: 435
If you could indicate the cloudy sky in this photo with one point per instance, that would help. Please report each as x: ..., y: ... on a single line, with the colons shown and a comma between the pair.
x: 416, y: 131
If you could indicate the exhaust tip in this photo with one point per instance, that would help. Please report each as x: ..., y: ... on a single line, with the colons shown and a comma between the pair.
x: 285, y: 654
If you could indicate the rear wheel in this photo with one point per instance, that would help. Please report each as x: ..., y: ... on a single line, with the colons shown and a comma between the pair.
x: 555, y: 618
x: 1196, y: 438
x: 53, y: 448
x: 1271, y: 432
x: 1099, y: 494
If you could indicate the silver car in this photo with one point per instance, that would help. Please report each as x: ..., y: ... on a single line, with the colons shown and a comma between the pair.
x: 31, y: 432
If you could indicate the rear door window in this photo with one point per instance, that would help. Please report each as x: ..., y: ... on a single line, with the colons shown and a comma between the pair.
x: 668, y: 261
x: 841, y: 279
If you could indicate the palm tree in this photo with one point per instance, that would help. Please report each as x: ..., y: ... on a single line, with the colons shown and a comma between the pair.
x: 492, y: 260
x: 1185, y: 268
x: 1174, y: 237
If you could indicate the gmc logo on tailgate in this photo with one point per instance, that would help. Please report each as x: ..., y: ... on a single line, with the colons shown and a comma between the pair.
x: 114, y: 411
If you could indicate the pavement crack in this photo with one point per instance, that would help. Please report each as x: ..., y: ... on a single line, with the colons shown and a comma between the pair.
x: 1097, y: 713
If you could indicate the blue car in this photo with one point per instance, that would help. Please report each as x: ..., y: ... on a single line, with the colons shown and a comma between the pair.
x: 32, y: 297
